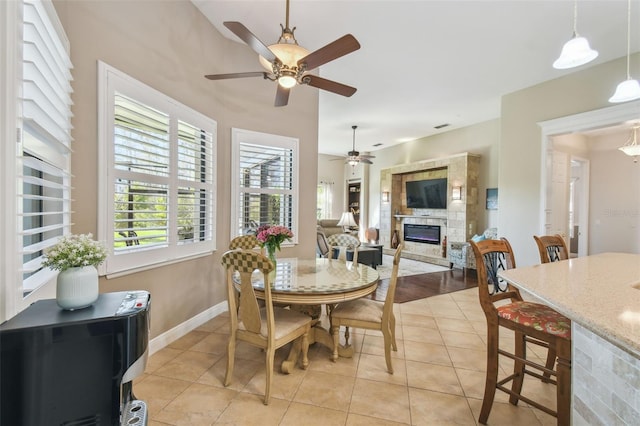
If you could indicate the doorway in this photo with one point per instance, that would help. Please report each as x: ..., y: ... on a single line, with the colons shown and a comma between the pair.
x: 565, y: 174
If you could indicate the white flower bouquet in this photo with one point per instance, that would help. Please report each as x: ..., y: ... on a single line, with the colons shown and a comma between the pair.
x: 74, y: 251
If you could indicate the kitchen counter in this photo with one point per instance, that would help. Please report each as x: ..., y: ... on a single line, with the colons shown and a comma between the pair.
x: 601, y: 296
x: 598, y: 291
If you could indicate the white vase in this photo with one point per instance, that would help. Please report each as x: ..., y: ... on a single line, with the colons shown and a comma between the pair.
x: 77, y: 288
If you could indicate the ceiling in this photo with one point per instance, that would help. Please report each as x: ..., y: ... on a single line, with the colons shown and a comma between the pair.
x: 424, y: 63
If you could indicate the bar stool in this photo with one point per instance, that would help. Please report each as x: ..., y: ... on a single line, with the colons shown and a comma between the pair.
x: 531, y: 322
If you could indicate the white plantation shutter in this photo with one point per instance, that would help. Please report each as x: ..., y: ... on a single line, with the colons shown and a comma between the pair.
x: 44, y: 206
x: 158, y: 187
x: 265, y: 173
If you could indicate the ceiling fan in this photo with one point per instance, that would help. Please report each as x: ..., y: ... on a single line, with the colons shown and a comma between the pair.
x: 354, y: 157
x: 288, y: 63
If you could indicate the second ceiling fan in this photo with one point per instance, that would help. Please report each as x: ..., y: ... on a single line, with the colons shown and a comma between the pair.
x: 354, y: 157
x: 289, y: 63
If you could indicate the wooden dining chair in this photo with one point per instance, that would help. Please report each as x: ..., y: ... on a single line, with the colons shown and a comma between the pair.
x: 246, y: 242
x: 551, y: 248
x: 531, y: 323
x: 343, y: 242
x: 269, y: 327
x: 369, y: 314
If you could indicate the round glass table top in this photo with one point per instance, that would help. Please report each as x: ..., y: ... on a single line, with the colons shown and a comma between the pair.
x: 318, y: 276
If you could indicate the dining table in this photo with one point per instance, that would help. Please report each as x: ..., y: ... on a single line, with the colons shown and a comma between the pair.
x: 307, y: 284
x: 600, y: 294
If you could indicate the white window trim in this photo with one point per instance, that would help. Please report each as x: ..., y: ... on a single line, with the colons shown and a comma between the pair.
x: 239, y: 136
x: 108, y: 78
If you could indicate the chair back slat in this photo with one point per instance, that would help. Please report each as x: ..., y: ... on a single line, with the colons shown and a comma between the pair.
x: 244, y: 242
x: 552, y: 248
x: 493, y: 256
x: 391, y: 291
x: 244, y: 263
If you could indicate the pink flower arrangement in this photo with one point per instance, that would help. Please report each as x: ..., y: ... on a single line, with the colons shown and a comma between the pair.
x: 271, y: 236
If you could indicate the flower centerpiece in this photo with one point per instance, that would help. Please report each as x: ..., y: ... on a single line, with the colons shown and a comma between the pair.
x: 271, y: 236
x: 76, y: 257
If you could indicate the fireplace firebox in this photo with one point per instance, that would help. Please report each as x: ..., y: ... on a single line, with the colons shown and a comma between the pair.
x: 427, y: 234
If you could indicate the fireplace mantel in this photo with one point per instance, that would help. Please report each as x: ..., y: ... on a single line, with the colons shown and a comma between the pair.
x: 419, y: 216
x: 459, y: 219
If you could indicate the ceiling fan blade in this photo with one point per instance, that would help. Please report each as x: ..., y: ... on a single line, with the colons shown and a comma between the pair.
x: 342, y: 46
x: 237, y: 75
x: 252, y: 41
x: 367, y: 156
x: 365, y: 161
x: 331, y: 86
x: 282, y: 96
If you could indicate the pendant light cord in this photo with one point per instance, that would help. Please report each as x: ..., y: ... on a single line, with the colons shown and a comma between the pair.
x: 575, y: 18
x: 628, y: 37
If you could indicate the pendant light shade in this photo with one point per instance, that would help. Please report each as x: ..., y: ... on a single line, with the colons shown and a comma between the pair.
x: 631, y: 148
x: 629, y: 89
x: 576, y: 51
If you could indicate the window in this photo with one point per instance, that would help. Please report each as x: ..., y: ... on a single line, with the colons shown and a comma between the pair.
x: 157, y: 189
x: 43, y: 167
x: 324, y: 200
x: 265, y: 182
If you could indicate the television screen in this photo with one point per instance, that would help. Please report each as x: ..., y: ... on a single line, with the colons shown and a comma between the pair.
x: 427, y: 194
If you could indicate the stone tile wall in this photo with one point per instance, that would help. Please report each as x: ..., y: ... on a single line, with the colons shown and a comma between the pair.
x: 605, y: 381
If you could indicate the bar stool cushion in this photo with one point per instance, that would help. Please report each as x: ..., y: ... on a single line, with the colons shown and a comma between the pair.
x: 538, y: 316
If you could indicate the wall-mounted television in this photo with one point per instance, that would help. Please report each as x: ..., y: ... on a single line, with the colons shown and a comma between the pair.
x: 427, y: 194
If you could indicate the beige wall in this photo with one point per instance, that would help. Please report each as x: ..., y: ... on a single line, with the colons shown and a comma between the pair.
x: 331, y: 169
x: 170, y: 46
x: 520, y: 148
x: 479, y: 139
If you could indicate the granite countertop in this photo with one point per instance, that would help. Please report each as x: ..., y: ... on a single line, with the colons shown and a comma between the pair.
x: 601, y: 292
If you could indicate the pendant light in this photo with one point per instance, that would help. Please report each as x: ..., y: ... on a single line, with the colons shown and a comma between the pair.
x: 631, y: 148
x: 576, y: 51
x: 629, y: 89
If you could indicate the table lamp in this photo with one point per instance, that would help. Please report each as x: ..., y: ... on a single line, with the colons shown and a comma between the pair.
x: 347, y: 221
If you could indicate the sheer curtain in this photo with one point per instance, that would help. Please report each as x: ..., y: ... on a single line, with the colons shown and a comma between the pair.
x: 325, y: 197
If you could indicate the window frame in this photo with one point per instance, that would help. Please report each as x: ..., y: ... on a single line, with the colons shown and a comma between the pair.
x: 139, y: 258
x: 242, y: 136
x: 52, y: 149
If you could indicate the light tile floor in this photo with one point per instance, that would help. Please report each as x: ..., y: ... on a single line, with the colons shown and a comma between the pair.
x: 438, y: 379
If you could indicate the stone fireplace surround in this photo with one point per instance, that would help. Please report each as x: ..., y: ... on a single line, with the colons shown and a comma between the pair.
x: 457, y: 222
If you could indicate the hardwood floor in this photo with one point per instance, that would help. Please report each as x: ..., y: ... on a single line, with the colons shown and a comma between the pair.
x: 414, y: 287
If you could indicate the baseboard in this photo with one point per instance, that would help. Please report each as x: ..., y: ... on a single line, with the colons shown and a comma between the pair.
x: 180, y: 330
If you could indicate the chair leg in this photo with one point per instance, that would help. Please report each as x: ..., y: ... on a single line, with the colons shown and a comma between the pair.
x: 231, y: 351
x: 550, y: 364
x: 563, y: 371
x: 392, y: 326
x: 388, y: 341
x: 305, y: 350
x: 271, y: 352
x: 335, y: 332
x: 492, y: 372
x: 520, y: 351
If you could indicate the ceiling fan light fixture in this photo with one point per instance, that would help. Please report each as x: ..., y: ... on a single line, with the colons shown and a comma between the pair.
x: 289, y: 54
x: 574, y: 53
x: 353, y: 162
x: 287, y: 81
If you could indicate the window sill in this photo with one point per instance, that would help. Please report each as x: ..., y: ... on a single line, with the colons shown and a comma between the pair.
x: 155, y: 265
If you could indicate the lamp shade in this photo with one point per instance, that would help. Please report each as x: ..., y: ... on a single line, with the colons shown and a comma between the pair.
x: 574, y: 53
x: 347, y: 219
x: 626, y: 91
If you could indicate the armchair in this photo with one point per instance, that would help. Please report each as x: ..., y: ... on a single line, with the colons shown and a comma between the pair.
x: 460, y: 254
